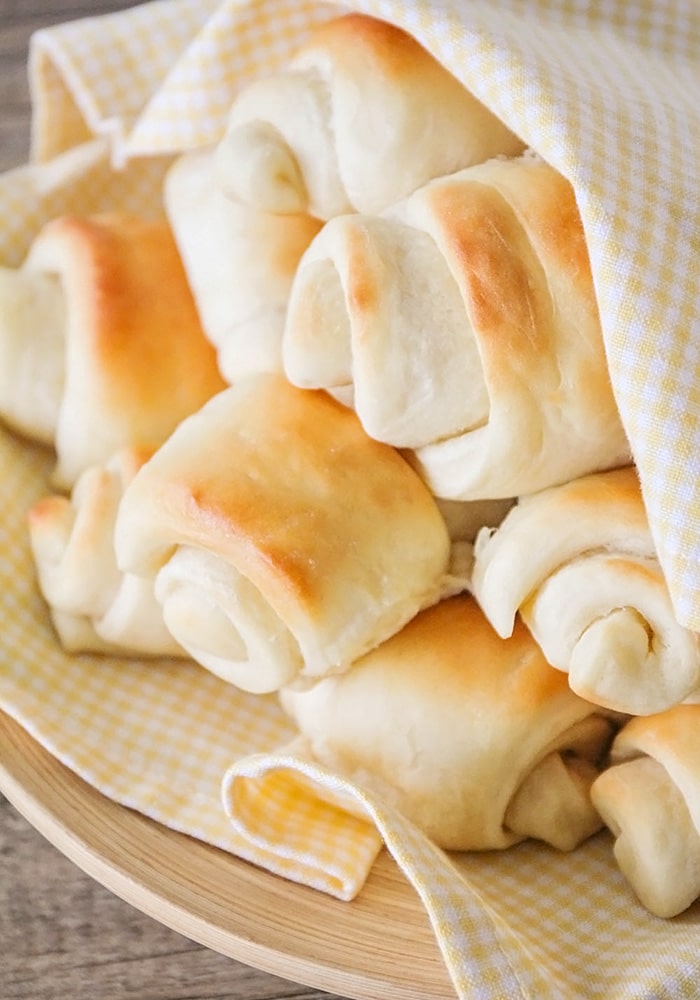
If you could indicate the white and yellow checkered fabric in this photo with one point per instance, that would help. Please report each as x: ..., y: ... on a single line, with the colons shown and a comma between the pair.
x: 607, y: 92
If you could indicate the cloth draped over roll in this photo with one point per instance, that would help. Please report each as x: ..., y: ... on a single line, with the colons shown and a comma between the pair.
x: 582, y: 87
x: 462, y: 324
x: 359, y: 117
x: 601, y: 95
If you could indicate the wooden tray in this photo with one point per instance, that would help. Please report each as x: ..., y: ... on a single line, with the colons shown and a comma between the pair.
x: 380, y: 945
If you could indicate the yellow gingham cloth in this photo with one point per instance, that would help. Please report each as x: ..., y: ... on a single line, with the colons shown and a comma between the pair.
x: 607, y: 92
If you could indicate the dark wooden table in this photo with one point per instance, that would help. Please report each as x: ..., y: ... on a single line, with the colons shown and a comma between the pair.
x: 62, y: 935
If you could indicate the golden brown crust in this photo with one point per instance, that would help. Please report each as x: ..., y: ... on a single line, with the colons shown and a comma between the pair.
x: 334, y: 530
x: 650, y: 799
x: 380, y: 47
x: 492, y: 260
x: 296, y: 141
x: 616, y: 491
x: 450, y: 721
x: 578, y: 563
x: 139, y: 312
x: 137, y: 360
x: 669, y: 736
x: 253, y: 510
x: 465, y: 322
x: 547, y: 529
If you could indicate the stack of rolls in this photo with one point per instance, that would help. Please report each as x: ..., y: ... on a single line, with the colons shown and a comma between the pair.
x: 462, y: 324
x: 380, y: 471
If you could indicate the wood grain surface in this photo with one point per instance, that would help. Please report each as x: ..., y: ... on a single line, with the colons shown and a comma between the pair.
x: 63, y: 936
x: 379, y: 946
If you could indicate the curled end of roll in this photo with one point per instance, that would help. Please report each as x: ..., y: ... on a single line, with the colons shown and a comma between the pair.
x: 223, y: 623
x: 657, y: 847
x: 618, y: 662
x: 553, y: 803
x: 255, y: 166
x: 317, y: 339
